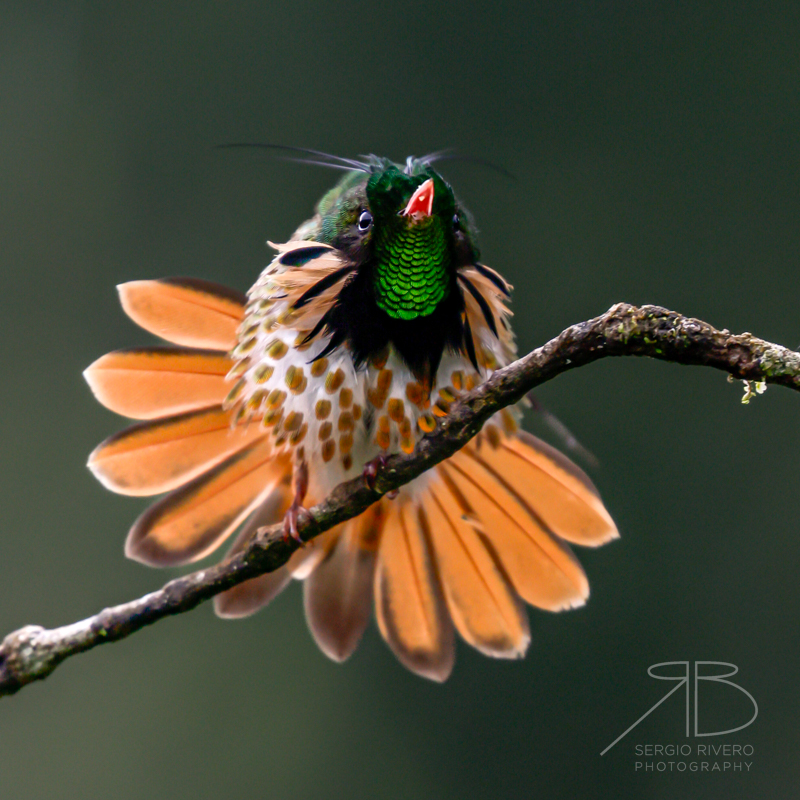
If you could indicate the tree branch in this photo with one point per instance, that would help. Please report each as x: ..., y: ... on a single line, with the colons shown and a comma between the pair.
x: 32, y: 653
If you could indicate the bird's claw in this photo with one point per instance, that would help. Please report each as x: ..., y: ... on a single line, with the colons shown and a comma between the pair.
x: 371, y: 471
x: 290, y: 521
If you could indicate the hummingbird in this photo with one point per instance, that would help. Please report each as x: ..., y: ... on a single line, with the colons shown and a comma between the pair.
x: 353, y: 343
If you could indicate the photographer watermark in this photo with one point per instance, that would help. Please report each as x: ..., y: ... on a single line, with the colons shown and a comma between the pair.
x: 693, y: 757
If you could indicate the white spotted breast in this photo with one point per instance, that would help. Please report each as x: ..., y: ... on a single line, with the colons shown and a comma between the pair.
x: 321, y: 408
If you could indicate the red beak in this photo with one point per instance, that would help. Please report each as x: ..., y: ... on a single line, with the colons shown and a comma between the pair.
x: 421, y: 203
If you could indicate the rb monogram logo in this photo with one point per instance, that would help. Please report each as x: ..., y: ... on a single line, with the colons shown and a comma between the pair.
x: 683, y: 679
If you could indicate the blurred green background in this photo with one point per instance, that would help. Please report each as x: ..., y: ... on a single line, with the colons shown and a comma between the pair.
x: 657, y: 158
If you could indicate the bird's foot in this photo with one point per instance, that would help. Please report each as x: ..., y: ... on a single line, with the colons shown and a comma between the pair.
x: 290, y: 520
x: 292, y: 517
x: 371, y: 471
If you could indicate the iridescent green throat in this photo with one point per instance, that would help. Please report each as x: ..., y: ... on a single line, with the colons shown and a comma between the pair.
x: 411, y: 269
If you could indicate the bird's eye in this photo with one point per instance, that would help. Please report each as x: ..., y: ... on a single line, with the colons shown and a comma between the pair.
x: 456, y: 221
x: 365, y: 221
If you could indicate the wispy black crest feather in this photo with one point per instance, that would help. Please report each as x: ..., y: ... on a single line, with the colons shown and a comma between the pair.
x: 448, y: 155
x: 313, y: 163
x: 370, y: 163
x: 334, y: 162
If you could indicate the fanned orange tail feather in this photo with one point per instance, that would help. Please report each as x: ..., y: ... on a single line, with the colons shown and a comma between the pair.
x: 460, y: 549
x: 185, y: 311
x: 152, y: 382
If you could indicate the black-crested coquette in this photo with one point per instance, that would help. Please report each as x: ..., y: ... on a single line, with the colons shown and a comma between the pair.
x: 352, y: 344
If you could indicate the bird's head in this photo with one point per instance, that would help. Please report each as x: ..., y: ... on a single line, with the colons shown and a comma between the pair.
x: 406, y: 227
x: 405, y: 270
